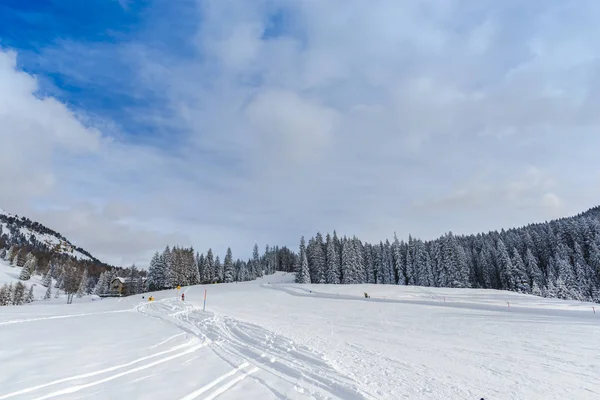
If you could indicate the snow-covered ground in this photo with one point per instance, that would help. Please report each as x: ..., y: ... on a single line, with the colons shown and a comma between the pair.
x: 10, y: 275
x: 272, y: 339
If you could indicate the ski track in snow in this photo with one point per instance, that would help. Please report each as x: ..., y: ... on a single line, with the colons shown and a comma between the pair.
x: 303, y: 292
x: 21, y: 321
x: 271, y: 355
x: 187, y: 347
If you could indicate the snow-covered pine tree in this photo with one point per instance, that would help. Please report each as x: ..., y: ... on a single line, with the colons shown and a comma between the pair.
x: 167, y: 264
x: 5, y: 295
x: 82, y: 284
x: 209, y: 267
x: 29, y: 297
x: 228, y: 267
x: 410, y: 260
x: 368, y: 263
x: 399, y: 261
x: 387, y: 260
x: 520, y: 278
x: 28, y: 268
x: 351, y: 262
x: 302, y: 271
x: 48, y: 294
x: 256, y: 267
x: 10, y: 254
x: 218, y: 274
x: 18, y: 294
x: 333, y: 260
x: 319, y: 259
x: 192, y: 267
x: 505, y: 266
x: 533, y: 270
x: 153, y: 278
x: 18, y: 259
x: 47, y: 282
x: 200, y: 265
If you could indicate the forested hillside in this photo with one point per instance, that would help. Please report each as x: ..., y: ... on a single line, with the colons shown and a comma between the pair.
x: 34, y: 249
x: 183, y: 266
x: 559, y: 259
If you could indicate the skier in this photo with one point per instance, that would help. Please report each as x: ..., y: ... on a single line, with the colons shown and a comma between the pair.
x: 182, y: 296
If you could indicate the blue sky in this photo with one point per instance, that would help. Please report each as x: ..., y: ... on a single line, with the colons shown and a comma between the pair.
x: 131, y: 125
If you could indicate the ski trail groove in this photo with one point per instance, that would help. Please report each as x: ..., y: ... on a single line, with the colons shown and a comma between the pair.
x: 234, y: 340
x: 215, y: 382
x: 21, y: 321
x: 99, y: 372
x: 77, y: 388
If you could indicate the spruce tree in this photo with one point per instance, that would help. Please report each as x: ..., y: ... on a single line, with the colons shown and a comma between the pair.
x: 228, y: 267
x: 209, y: 267
x: 333, y: 259
x: 82, y: 284
x: 30, y: 297
x: 48, y: 294
x: 302, y: 271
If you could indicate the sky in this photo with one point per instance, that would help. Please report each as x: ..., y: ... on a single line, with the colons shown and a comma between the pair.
x: 130, y: 125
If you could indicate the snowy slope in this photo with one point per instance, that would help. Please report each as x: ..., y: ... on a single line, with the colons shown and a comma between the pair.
x: 52, y: 242
x: 10, y: 275
x: 272, y: 339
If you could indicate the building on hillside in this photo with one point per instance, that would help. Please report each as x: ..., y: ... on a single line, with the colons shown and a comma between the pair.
x: 123, y: 286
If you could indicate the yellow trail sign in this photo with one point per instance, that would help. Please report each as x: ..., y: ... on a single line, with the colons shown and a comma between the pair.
x: 178, y: 287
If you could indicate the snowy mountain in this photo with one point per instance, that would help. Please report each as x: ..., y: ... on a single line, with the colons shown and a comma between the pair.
x: 274, y: 339
x: 21, y: 231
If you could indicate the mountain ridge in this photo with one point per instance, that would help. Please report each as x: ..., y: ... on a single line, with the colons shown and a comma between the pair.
x: 22, y: 231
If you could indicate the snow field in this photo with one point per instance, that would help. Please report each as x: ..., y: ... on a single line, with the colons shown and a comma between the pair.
x: 271, y: 339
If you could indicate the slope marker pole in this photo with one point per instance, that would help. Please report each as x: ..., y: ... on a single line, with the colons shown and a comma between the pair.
x: 204, y: 307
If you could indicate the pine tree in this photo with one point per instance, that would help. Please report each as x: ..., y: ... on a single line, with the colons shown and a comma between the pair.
x: 520, y: 278
x: 48, y: 294
x: 82, y: 284
x: 153, y: 272
x: 218, y: 274
x: 410, y: 250
x: 258, y: 272
x: 228, y: 267
x: 533, y: 270
x: 29, y: 298
x: 507, y: 273
x: 333, y: 259
x: 28, y: 268
x: 18, y: 294
x: 302, y: 271
x: 319, y: 259
x: 5, y: 295
x: 169, y: 272
x: 10, y: 254
x: 209, y: 267
x: 47, y: 282
x: 192, y: 267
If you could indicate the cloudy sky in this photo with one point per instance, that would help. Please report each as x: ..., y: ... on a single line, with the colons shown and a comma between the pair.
x: 128, y: 125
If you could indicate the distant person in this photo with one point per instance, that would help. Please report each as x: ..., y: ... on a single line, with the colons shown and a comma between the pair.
x: 182, y: 296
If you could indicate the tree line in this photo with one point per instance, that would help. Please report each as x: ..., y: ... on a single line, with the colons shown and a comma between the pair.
x: 559, y: 259
x: 61, y: 274
x: 180, y: 266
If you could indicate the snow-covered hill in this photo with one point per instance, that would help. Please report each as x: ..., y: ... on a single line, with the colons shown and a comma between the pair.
x: 273, y: 339
x: 37, y: 234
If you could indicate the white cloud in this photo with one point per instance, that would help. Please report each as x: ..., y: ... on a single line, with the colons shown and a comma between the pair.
x: 365, y: 117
